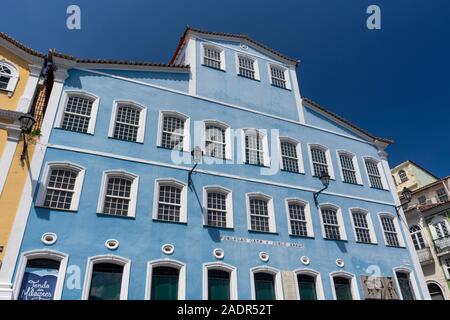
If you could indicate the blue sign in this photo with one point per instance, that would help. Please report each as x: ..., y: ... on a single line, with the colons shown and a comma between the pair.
x: 38, y: 284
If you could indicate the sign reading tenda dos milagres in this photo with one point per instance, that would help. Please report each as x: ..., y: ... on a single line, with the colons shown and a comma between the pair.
x: 261, y: 241
x: 38, y: 282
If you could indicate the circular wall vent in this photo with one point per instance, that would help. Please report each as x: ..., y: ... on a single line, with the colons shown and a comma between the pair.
x: 112, y: 244
x: 264, y: 256
x: 305, y: 260
x: 340, y: 262
x: 49, y: 238
x: 219, y: 253
x: 168, y: 248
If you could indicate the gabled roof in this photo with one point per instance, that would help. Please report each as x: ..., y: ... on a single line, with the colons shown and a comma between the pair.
x: 417, y: 165
x: 21, y: 50
x: 238, y: 37
x: 345, y: 123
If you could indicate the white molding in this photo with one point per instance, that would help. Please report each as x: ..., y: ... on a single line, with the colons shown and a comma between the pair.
x: 340, y: 220
x: 166, y: 263
x: 355, y: 165
x: 394, y: 219
x: 220, y: 266
x: 372, y: 233
x: 380, y: 171
x: 270, y: 208
x: 42, y: 254
x: 270, y: 270
x: 308, y: 217
x: 186, y: 131
x: 13, y: 78
x: 204, y: 44
x: 142, y: 117
x: 191, y: 60
x: 285, y: 71
x: 7, y: 156
x: 255, y: 64
x: 412, y: 280
x: 133, y: 191
x: 228, y: 201
x: 228, y: 139
x: 318, y: 282
x: 183, y: 200
x: 265, y: 144
x: 298, y: 148
x: 108, y: 258
x: 353, y: 284
x: 327, y: 155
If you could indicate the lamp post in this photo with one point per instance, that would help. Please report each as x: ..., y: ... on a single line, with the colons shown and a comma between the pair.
x: 325, y: 179
x: 197, y: 155
x: 407, y: 195
x: 26, y: 123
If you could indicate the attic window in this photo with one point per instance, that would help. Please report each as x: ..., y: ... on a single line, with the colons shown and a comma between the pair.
x: 213, y: 57
x: 247, y: 67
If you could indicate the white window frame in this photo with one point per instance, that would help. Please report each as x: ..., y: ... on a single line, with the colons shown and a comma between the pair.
x: 401, y: 241
x: 109, y: 258
x: 142, y: 118
x: 355, y: 165
x: 298, y: 147
x: 83, y: 94
x: 255, y: 65
x: 415, y: 234
x: 228, y: 201
x: 435, y: 220
x: 318, y: 279
x: 265, y: 145
x: 13, y: 78
x: 278, y: 281
x: 412, y: 280
x: 42, y: 192
x: 373, y: 236
x: 380, y: 170
x: 284, y: 70
x: 340, y: 220
x: 42, y: 254
x: 220, y: 266
x: 183, y: 200
x: 353, y: 284
x: 328, y: 158
x: 214, y: 47
x: 133, y: 192
x: 186, y: 132
x: 270, y: 208
x: 308, y: 218
x: 166, y: 263
x: 228, y: 140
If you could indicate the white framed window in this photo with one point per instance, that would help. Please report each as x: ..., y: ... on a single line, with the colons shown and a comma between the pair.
x: 213, y: 56
x: 127, y: 121
x: 375, y: 174
x: 247, y: 67
x: 406, y: 284
x: 442, y: 195
x: 266, y: 283
x: 107, y: 278
x: 279, y: 76
x: 219, y: 281
x: 445, y: 261
x: 417, y: 236
x: 118, y: 193
x: 218, y: 207
x: 402, y: 175
x: 166, y: 280
x: 299, y: 217
x: 343, y: 285
x: 291, y: 155
x: 348, y: 167
x: 217, y: 139
x: 9, y: 76
x: 362, y: 225
x: 332, y: 222
x: 439, y: 227
x: 391, y: 230
x: 33, y: 264
x: 320, y: 160
x: 261, y: 216
x: 309, y: 285
x: 78, y: 111
x: 170, y: 201
x: 255, y: 147
x: 173, y: 131
x: 61, y: 186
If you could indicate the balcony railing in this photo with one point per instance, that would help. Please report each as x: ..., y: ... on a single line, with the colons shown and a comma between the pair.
x: 442, y: 245
x: 425, y: 256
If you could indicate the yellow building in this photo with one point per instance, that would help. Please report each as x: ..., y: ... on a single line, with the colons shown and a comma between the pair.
x: 20, y: 86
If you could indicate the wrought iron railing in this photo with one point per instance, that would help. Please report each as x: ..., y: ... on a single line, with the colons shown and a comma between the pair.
x: 442, y: 244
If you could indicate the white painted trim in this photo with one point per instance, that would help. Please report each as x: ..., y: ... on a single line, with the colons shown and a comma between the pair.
x: 183, y: 200
x: 412, y: 280
x: 270, y: 270
x: 228, y: 202
x: 265, y: 144
x: 142, y: 118
x: 228, y: 140
x: 42, y: 254
x: 438, y: 219
x: 133, y: 192
x: 166, y: 263
x: 191, y: 60
x: 340, y: 219
x: 7, y: 156
x: 353, y: 284
x: 355, y: 165
x: 186, y: 131
x: 298, y: 148
x: 373, y: 236
x: 255, y: 64
x: 307, y: 210
x: 327, y: 155
x: 204, y: 45
x: 285, y: 71
x: 109, y: 258
x: 318, y: 279
x: 380, y: 171
x: 221, y: 266
x: 396, y: 225
x: 270, y: 208
x: 13, y: 77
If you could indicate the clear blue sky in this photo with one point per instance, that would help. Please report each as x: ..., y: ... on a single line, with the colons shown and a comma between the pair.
x: 392, y: 82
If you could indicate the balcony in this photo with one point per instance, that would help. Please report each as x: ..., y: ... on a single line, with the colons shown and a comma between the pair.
x: 425, y: 256
x: 442, y: 245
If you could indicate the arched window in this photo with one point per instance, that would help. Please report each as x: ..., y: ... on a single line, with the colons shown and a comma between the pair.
x: 165, y: 280
x: 127, y: 121
x: 344, y: 286
x: 78, y: 111
x: 8, y: 76
x: 173, y: 130
x: 218, y: 206
x: 417, y: 237
x: 405, y: 286
x: 435, y: 291
x: 219, y: 281
x: 402, y: 175
x: 309, y: 285
x: 217, y: 139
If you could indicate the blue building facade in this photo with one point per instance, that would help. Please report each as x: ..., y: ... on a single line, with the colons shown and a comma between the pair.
x: 109, y: 212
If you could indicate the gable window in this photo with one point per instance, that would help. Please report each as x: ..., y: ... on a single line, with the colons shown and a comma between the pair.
x: 128, y: 121
x: 363, y: 226
x: 404, y: 283
x: 174, y: 131
x: 279, y: 76
x: 390, y: 231
x: 402, y: 175
x: 217, y: 140
x: 373, y: 168
x: 299, y: 218
x: 8, y: 76
x: 170, y: 201
x: 332, y: 223
x: 290, y: 156
x: 349, y: 168
x: 218, y: 207
x: 442, y: 195
x: 61, y: 186
x: 417, y: 237
x: 119, y: 193
x: 165, y: 283
x: 255, y: 148
x: 213, y: 57
x: 261, y: 214
x: 78, y: 111
x: 248, y: 67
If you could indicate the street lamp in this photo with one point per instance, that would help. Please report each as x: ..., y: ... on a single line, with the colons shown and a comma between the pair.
x: 197, y: 155
x: 407, y: 195
x: 26, y: 123
x: 325, y: 179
